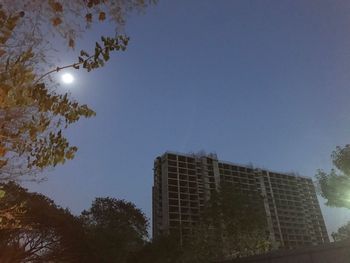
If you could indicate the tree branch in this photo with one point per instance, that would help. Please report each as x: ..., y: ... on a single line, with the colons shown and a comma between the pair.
x: 73, y: 65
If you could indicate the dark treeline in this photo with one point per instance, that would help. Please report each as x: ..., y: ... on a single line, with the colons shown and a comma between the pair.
x: 41, y: 231
x: 114, y: 230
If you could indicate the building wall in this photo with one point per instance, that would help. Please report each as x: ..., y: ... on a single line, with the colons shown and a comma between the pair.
x: 292, y: 208
x: 184, y: 182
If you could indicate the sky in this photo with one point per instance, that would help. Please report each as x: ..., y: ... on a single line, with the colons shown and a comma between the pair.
x: 261, y: 82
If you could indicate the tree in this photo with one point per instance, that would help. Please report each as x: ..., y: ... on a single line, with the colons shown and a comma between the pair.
x: 335, y: 185
x: 232, y: 225
x: 32, y: 116
x: 164, y: 249
x: 116, y: 228
x: 343, y: 233
x: 40, y: 231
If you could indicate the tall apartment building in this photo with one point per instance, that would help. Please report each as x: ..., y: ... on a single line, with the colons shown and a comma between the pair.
x: 183, y: 183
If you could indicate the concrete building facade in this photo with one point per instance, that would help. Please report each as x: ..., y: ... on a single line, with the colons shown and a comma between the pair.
x: 184, y: 182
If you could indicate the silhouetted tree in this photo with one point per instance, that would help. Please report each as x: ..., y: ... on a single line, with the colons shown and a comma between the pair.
x: 233, y: 225
x: 164, y: 249
x: 116, y: 228
x: 343, y: 233
x: 335, y: 185
x: 39, y: 231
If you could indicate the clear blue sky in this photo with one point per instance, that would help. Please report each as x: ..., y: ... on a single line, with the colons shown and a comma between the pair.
x: 262, y: 82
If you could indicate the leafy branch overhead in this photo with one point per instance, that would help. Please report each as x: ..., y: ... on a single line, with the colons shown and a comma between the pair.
x: 100, y: 56
x: 33, y: 116
x: 32, y: 119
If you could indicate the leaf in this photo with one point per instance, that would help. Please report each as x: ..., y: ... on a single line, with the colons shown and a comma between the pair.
x: 3, y: 151
x: 106, y: 55
x: 83, y: 53
x: 90, y: 4
x: 56, y: 21
x: 57, y: 7
x: 71, y: 43
x: 102, y: 16
x: 2, y: 52
x: 3, y: 163
x: 88, y: 17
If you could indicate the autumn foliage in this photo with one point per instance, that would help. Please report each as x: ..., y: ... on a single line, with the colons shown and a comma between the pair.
x: 33, y: 116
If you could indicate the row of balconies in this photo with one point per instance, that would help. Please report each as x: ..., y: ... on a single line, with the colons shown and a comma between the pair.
x: 190, y: 165
x: 287, y: 203
x: 189, y: 190
x: 240, y: 179
x: 290, y: 219
x: 184, y: 216
x: 288, y: 214
x: 183, y: 196
x: 182, y: 177
x: 184, y: 222
x: 184, y: 167
x: 174, y: 182
x: 174, y: 169
x: 289, y: 192
x: 175, y: 202
x: 180, y: 158
x: 183, y: 210
x: 292, y: 225
x: 235, y: 168
x: 237, y: 174
x: 287, y: 197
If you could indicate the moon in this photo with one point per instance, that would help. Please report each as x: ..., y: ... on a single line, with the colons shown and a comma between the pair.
x: 67, y: 78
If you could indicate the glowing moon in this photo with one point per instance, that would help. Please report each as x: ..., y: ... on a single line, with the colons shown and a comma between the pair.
x: 67, y: 78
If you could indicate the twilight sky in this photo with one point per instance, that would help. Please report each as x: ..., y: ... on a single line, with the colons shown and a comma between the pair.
x: 261, y: 82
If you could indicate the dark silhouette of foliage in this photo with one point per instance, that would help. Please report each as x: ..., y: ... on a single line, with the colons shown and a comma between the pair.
x: 116, y: 228
x: 335, y: 185
x: 39, y: 231
x: 165, y: 249
x: 233, y: 225
x: 343, y: 233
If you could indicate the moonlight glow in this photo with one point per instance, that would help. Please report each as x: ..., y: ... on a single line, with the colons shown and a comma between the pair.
x: 67, y: 78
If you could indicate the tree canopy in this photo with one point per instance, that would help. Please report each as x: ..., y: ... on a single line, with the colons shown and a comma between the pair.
x: 33, y: 115
x: 117, y: 229
x: 233, y: 225
x: 335, y: 185
x: 39, y: 231
x: 343, y: 233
